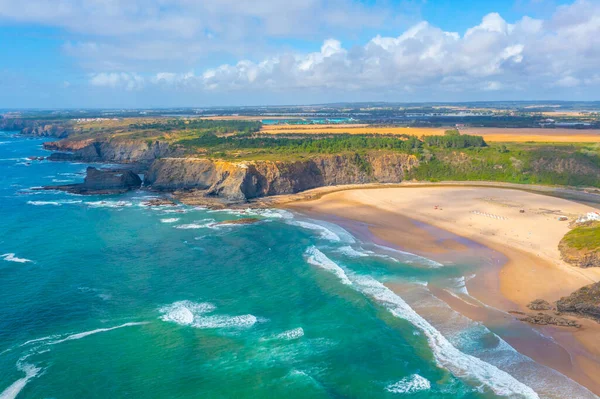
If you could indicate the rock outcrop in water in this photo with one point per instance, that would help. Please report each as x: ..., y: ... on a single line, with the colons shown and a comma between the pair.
x: 240, y: 181
x: 99, y: 181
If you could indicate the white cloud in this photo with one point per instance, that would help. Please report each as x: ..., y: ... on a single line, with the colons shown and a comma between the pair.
x: 136, y: 45
x: 113, y: 35
x: 128, y: 81
x: 491, y: 56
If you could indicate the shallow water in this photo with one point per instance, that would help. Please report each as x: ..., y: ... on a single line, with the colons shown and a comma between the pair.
x: 105, y: 297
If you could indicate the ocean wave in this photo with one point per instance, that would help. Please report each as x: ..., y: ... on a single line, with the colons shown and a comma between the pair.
x: 291, y: 334
x: 324, y: 232
x: 201, y: 224
x: 460, y: 364
x: 412, y: 257
x: 412, y: 384
x: 16, y: 387
x: 363, y: 253
x: 188, y: 313
x: 169, y: 220
x: 225, y: 321
x: 353, y: 253
x: 42, y: 203
x: 319, y: 259
x: 109, y: 204
x: 265, y: 213
x: 10, y: 257
x: 184, y: 312
x: 61, y: 181
x: 84, y: 334
x: 54, y: 203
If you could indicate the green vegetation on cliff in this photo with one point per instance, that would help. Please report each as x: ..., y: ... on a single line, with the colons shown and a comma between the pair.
x: 584, y: 237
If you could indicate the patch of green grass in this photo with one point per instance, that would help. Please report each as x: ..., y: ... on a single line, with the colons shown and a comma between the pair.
x: 584, y: 237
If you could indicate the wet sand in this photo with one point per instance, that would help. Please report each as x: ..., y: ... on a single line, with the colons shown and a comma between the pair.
x: 485, y: 226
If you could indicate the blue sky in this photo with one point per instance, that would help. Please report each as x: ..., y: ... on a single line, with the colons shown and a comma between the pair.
x: 152, y: 53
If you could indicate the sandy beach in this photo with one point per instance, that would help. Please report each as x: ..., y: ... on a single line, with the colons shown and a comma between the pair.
x: 522, y: 230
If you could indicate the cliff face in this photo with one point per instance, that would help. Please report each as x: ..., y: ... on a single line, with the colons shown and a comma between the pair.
x: 36, y: 127
x: 117, y: 151
x: 579, y: 257
x: 100, y: 181
x: 583, y: 302
x: 245, y: 180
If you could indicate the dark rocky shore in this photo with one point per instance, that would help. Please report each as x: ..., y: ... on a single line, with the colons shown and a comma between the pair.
x: 98, y: 181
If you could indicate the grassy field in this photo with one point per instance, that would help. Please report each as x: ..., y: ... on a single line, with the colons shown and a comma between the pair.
x: 537, y: 135
x: 352, y: 129
x: 490, y: 134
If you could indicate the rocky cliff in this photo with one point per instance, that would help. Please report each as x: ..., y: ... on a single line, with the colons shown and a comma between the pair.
x: 239, y: 181
x: 583, y: 302
x: 36, y: 127
x: 99, y: 181
x: 114, y: 151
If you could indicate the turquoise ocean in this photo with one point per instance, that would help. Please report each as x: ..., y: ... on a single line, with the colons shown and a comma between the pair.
x: 104, y: 297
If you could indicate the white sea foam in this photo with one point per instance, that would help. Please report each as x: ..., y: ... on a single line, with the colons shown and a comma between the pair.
x: 13, y: 390
x: 61, y: 181
x: 224, y: 321
x: 92, y: 332
x: 54, y: 203
x: 291, y: 334
x: 184, y: 312
x: 202, y: 224
x: 458, y: 284
x: 460, y: 364
x: 353, y: 253
x: 169, y: 220
x: 323, y: 231
x: 319, y: 259
x: 42, y: 203
x: 109, y: 204
x: 411, y: 256
x: 265, y: 213
x: 412, y: 384
x: 188, y: 313
x: 363, y: 253
x: 12, y: 258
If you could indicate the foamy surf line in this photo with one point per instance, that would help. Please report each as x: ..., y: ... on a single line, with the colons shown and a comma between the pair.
x: 84, y: 334
x: 327, y: 231
x: 188, y: 313
x: 458, y: 363
x: 411, y: 255
x: 32, y: 371
x: 16, y: 387
x: 414, y: 383
x: 11, y: 257
x: 319, y: 259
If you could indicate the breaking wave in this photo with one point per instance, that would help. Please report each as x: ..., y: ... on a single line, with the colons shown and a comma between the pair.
x: 319, y: 259
x: 412, y: 384
x: 13, y: 390
x: 460, y: 364
x: 188, y: 313
x: 12, y: 258
x: 169, y: 220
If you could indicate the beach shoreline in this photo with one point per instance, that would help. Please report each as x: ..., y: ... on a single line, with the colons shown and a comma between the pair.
x: 447, y: 223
